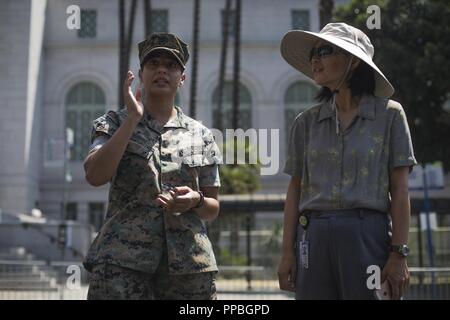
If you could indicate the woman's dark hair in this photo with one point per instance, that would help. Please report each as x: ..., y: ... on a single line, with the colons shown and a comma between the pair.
x: 361, y: 81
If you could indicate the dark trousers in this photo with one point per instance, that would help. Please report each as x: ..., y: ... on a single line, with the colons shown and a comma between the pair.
x: 342, y: 245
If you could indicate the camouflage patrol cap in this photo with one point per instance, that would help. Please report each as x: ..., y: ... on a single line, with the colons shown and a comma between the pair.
x: 166, y: 42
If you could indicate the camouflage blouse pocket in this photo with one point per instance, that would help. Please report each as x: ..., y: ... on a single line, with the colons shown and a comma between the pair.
x: 190, y: 169
x: 133, y: 167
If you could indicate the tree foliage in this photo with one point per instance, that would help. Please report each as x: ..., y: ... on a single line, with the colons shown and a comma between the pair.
x: 412, y: 49
x: 239, y: 178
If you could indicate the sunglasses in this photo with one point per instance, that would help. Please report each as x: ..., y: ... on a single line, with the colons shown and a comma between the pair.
x: 323, y: 51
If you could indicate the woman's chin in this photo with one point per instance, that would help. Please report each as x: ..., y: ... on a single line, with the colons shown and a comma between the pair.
x: 318, y: 81
x: 321, y: 82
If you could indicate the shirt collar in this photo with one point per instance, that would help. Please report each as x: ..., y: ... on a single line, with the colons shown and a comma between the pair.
x: 366, y: 109
x: 179, y: 121
x: 325, y: 111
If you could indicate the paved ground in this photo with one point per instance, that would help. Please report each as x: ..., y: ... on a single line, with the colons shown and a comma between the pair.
x: 227, y: 290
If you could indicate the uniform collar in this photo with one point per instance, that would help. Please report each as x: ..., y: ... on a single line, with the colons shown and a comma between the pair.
x: 366, y: 109
x: 179, y: 121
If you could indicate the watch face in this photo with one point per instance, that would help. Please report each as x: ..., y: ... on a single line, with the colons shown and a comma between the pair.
x: 405, y: 250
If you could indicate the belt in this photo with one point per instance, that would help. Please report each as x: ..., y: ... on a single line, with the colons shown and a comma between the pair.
x: 307, y: 215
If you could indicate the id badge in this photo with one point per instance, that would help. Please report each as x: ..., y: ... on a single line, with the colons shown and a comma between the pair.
x: 304, y: 254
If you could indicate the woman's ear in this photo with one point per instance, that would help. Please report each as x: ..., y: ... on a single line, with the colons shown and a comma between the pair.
x: 183, y: 77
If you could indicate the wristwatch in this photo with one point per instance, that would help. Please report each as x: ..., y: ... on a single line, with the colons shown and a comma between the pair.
x: 401, y: 249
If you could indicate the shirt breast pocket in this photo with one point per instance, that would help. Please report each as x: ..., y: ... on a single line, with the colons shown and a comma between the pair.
x: 133, y: 167
x: 190, y: 169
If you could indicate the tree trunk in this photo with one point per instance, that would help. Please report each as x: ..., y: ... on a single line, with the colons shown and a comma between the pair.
x: 223, y: 62
x: 148, y: 17
x: 196, y: 32
x: 234, y: 233
x: 121, y: 50
x: 130, y: 34
x: 214, y: 231
x: 237, y: 66
x: 325, y: 11
x: 125, y: 39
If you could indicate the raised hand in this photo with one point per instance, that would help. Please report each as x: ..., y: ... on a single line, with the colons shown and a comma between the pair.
x: 133, y: 103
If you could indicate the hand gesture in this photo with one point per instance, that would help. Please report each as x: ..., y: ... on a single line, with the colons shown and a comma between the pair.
x: 133, y: 103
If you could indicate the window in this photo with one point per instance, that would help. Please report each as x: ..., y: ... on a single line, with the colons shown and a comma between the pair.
x: 96, y: 214
x: 159, y: 20
x: 299, y: 96
x: 231, y: 22
x: 84, y: 103
x: 71, y: 211
x: 88, y: 26
x: 245, y: 107
x: 300, y: 19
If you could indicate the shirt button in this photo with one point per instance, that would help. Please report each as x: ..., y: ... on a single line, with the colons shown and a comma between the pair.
x: 165, y: 143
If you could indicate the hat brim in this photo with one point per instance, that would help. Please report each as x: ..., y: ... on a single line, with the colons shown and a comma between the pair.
x: 156, y: 49
x: 296, y: 47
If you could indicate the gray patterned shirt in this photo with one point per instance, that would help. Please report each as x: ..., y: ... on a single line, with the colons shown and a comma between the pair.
x: 350, y: 169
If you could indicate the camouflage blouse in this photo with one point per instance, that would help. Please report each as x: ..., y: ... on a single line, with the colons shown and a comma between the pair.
x: 350, y: 169
x: 135, y: 231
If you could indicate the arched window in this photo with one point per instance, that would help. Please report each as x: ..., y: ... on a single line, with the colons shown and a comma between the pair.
x: 299, y: 96
x: 245, y: 107
x: 84, y: 103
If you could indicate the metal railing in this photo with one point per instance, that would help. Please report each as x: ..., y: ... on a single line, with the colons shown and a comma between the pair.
x: 429, y: 284
x: 253, y: 282
x: 247, y: 254
x: 37, y: 280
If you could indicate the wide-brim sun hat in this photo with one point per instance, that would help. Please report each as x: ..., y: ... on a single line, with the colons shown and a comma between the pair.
x: 297, y: 44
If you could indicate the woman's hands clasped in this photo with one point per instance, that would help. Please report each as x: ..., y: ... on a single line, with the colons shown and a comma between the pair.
x: 178, y: 200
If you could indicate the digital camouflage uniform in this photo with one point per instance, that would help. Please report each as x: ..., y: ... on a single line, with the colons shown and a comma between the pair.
x: 137, y: 237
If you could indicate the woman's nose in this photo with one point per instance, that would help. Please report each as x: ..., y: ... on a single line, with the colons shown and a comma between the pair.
x: 314, y: 62
x: 314, y: 59
x: 162, y: 68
